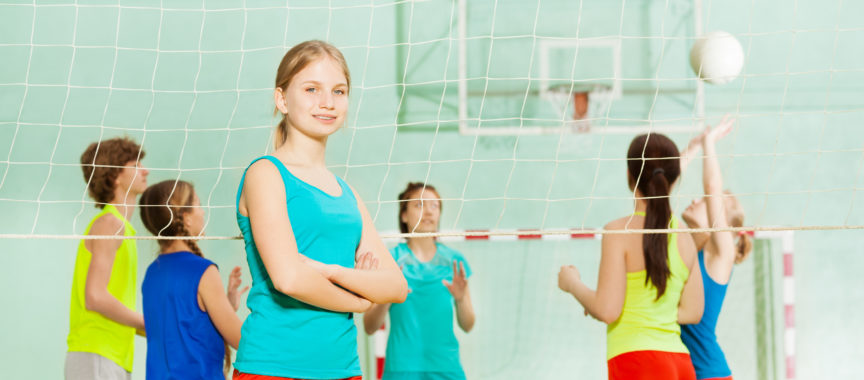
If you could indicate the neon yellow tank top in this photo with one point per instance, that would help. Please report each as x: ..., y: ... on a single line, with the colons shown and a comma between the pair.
x: 646, y: 324
x: 89, y: 331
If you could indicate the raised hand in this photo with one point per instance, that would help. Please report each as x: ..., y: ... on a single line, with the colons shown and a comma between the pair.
x: 459, y: 286
x: 721, y: 130
x: 690, y: 152
x: 234, y: 282
x: 568, y: 276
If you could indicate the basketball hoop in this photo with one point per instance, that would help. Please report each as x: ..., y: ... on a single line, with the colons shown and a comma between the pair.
x: 578, y: 104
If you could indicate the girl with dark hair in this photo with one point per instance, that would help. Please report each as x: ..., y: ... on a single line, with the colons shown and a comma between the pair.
x: 647, y: 284
x: 421, y: 344
x: 190, y: 320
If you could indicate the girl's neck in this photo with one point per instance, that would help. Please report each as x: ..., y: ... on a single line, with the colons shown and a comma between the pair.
x: 175, y: 246
x: 303, y: 150
x: 424, y: 248
x: 640, y: 205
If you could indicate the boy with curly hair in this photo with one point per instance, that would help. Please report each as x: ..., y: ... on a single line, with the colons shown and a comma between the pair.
x: 102, y: 316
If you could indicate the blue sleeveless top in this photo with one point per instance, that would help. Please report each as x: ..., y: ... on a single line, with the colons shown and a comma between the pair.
x: 700, y: 339
x: 182, y: 342
x: 422, y: 344
x: 283, y: 336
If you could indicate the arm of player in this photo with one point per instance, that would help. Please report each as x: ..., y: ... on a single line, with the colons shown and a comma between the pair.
x: 221, y: 308
x: 606, y: 303
x: 461, y: 297
x: 692, y: 303
x: 722, y: 242
x: 374, y: 318
x: 688, y: 154
x: 265, y: 203
x: 96, y: 295
x: 386, y: 284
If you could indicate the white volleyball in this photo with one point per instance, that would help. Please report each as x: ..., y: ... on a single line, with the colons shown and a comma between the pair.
x: 717, y: 57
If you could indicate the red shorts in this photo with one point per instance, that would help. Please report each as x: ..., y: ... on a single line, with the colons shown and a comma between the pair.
x: 245, y: 376
x: 651, y: 365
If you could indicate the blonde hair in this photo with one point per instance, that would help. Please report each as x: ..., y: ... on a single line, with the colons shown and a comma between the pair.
x: 295, y: 60
x: 735, y: 215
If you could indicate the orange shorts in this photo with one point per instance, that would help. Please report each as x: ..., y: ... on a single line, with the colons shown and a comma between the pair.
x: 651, y: 365
x: 245, y: 376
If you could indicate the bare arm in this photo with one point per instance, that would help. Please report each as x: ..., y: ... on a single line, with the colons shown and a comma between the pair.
x: 606, y: 303
x: 722, y: 244
x: 692, y: 303
x: 268, y: 214
x: 218, y: 307
x: 386, y: 284
x: 374, y: 318
x: 461, y: 296
x: 465, y: 312
x: 689, y: 154
x: 96, y: 295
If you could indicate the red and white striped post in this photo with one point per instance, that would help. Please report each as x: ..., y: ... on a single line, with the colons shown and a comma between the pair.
x: 518, y: 235
x: 789, y: 303
x: 379, y: 340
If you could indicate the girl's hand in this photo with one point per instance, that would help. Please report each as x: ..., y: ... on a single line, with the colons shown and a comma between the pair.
x: 568, y: 277
x: 711, y: 135
x: 366, y: 261
x: 460, y: 284
x: 234, y: 282
x: 694, y: 145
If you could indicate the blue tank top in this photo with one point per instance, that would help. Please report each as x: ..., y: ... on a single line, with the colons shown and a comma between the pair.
x: 701, y: 339
x: 182, y: 342
x: 283, y: 336
x: 422, y: 343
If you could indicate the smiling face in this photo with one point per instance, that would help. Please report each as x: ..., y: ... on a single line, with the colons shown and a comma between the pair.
x: 422, y: 211
x: 315, y: 102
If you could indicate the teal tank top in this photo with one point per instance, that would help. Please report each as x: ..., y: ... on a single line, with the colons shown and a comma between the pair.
x: 285, y: 337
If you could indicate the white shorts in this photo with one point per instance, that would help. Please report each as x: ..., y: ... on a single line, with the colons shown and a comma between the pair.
x: 90, y: 366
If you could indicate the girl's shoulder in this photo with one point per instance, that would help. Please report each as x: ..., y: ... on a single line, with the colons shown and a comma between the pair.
x: 627, y: 222
x: 399, y: 250
x: 452, y: 255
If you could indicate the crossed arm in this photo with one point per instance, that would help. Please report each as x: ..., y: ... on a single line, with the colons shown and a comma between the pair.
x: 294, y: 276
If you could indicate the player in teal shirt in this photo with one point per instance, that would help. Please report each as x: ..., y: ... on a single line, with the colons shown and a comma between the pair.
x: 422, y: 344
x: 312, y: 248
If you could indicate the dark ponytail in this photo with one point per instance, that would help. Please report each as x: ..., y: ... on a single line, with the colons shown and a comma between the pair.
x: 653, y: 166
